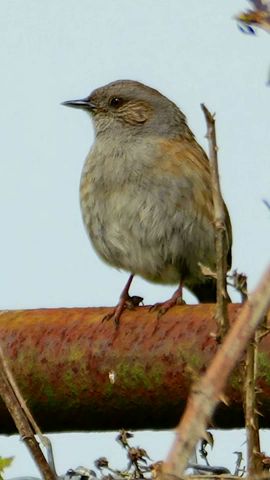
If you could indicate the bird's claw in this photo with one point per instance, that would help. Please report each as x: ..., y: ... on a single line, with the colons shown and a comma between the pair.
x: 125, y: 303
x: 109, y: 316
x: 163, y: 307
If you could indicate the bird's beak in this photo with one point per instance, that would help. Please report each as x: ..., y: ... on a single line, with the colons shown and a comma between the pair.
x: 84, y: 103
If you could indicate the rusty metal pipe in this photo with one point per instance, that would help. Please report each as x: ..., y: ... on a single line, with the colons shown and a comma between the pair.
x: 78, y: 373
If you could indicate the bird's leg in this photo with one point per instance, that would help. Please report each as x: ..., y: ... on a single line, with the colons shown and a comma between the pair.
x: 176, y: 299
x: 125, y: 301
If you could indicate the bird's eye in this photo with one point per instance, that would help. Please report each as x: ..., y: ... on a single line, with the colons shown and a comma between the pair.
x: 115, y: 102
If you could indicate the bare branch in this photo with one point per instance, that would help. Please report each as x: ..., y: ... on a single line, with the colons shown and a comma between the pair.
x: 207, y: 392
x: 254, y: 464
x: 266, y: 203
x: 12, y: 402
x: 220, y: 226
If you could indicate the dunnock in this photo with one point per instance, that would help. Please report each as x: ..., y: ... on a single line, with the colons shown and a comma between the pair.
x: 146, y: 192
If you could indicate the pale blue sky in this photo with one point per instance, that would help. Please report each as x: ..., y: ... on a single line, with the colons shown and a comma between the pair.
x: 56, y: 50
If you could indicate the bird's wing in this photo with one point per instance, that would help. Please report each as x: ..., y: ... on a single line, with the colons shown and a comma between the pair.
x: 189, y: 167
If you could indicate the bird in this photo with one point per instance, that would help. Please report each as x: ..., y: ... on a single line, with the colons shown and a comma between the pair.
x: 145, y: 193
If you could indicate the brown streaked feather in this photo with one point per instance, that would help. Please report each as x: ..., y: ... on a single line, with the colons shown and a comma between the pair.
x: 187, y: 159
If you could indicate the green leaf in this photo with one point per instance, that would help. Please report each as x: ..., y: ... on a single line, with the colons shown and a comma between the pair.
x: 4, y: 463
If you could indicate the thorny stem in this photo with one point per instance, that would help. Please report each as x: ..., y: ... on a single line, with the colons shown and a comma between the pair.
x: 207, y: 392
x: 254, y: 464
x: 220, y: 227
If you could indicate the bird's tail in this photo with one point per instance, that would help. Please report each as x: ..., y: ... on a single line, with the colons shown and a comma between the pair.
x: 207, y: 292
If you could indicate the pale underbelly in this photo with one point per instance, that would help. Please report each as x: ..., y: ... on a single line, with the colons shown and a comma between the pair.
x: 159, y: 244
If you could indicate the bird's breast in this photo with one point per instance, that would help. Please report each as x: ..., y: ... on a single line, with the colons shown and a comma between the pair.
x: 140, y: 219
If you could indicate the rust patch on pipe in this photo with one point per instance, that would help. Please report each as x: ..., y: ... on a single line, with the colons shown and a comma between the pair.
x: 78, y: 373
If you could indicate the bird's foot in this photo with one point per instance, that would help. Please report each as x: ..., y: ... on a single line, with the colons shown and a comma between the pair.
x: 125, y: 302
x: 163, y: 307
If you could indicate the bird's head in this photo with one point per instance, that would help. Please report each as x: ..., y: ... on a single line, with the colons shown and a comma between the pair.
x: 133, y: 106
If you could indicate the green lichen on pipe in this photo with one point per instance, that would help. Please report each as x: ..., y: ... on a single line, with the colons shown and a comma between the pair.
x: 77, y: 373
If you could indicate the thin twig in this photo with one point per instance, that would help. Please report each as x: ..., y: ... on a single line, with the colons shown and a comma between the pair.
x: 238, y: 462
x: 21, y: 400
x: 207, y: 392
x: 220, y: 227
x: 266, y: 203
x: 239, y: 282
x: 9, y: 397
x: 254, y: 464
